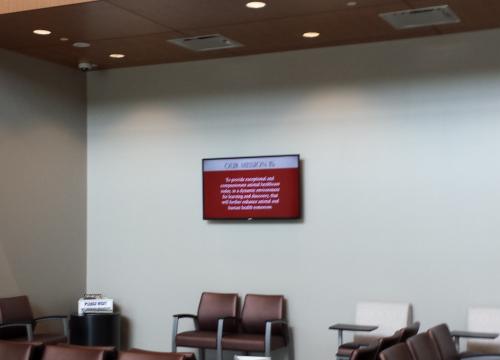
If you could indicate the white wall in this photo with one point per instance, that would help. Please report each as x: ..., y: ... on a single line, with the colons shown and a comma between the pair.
x: 400, y: 147
x: 42, y: 183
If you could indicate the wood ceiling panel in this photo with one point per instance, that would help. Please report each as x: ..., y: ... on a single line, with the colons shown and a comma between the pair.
x: 474, y: 15
x: 11, y: 6
x: 140, y: 28
x: 141, y: 50
x: 83, y: 22
x: 341, y: 27
x: 336, y: 28
x: 193, y: 14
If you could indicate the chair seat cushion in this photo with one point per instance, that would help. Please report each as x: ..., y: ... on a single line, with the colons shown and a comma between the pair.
x: 250, y: 342
x: 197, y: 339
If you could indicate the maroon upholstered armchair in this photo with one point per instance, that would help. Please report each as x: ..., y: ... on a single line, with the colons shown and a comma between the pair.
x: 17, y: 350
x: 212, y: 307
x: 396, y: 352
x: 17, y: 322
x: 73, y: 353
x: 367, y: 353
x: 263, y: 327
x: 138, y: 354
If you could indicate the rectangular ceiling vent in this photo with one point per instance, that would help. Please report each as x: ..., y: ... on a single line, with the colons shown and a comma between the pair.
x: 429, y: 16
x: 206, y: 42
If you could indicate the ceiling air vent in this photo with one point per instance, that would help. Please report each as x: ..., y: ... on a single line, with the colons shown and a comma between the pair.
x: 206, y: 42
x: 429, y: 16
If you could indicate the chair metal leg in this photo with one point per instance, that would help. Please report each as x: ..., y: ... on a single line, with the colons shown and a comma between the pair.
x: 220, y: 332
x: 267, y: 339
x: 201, y: 354
x: 175, y: 327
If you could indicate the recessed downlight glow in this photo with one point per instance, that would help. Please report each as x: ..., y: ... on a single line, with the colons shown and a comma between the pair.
x: 352, y: 3
x: 310, y: 34
x: 42, y: 32
x: 81, y: 44
x: 117, y: 56
x: 256, y: 4
x: 63, y: 39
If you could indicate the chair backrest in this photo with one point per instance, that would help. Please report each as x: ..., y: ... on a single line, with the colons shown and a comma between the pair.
x: 441, y: 336
x: 423, y: 348
x: 137, y: 354
x: 410, y: 331
x: 214, y: 306
x: 258, y: 309
x: 389, y: 317
x: 109, y: 351
x: 366, y: 353
x: 389, y: 341
x: 484, y: 320
x: 14, y: 309
x: 53, y: 352
x: 396, y: 352
x: 15, y: 351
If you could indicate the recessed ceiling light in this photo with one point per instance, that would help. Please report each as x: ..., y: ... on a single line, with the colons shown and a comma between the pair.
x: 63, y: 39
x: 42, y: 32
x: 81, y: 44
x: 256, y: 4
x: 310, y: 34
x: 117, y: 56
x: 352, y: 3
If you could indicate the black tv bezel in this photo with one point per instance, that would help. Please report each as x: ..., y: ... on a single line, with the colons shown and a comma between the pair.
x: 298, y: 217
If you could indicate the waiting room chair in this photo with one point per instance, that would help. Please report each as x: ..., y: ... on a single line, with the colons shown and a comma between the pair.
x: 387, y: 317
x: 10, y: 350
x: 389, y: 341
x: 137, y: 354
x: 484, y: 320
x: 441, y: 336
x: 410, y: 331
x: 53, y: 352
x: 212, y: 307
x: 110, y: 352
x: 17, y: 322
x: 184, y: 355
x: 369, y: 352
x: 263, y: 327
x: 422, y: 347
x: 382, y: 344
x: 396, y: 352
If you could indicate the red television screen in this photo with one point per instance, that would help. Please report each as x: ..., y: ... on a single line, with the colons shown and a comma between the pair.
x: 262, y: 187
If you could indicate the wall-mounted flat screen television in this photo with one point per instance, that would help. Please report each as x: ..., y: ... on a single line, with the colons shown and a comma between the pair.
x: 260, y: 187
